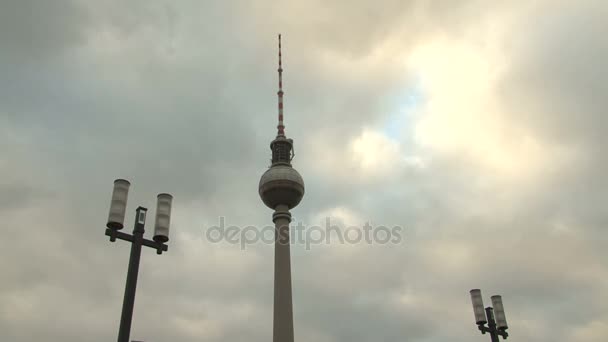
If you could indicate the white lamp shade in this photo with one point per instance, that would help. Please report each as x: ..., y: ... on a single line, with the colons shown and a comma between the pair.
x: 163, y: 217
x: 118, y: 205
x: 499, y: 312
x: 478, y: 309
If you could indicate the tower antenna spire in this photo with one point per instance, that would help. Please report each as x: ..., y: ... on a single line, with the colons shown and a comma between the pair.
x: 281, y: 126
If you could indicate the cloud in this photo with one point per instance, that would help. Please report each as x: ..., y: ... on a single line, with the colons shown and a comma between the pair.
x: 495, y: 171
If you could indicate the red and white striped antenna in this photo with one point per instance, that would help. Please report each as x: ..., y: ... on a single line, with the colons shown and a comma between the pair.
x: 280, y: 127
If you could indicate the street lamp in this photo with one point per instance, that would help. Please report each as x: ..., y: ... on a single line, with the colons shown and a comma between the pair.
x: 495, y: 317
x: 116, y: 218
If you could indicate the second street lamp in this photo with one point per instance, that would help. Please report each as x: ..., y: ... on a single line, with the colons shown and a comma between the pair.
x: 493, y: 316
x: 116, y: 218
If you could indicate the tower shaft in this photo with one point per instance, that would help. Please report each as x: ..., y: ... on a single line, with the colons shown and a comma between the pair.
x: 282, y: 325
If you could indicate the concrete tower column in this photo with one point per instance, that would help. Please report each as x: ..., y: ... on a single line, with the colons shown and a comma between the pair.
x: 283, y: 309
x: 281, y: 188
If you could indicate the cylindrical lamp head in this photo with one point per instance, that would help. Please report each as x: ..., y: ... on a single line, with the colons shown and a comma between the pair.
x: 478, y: 309
x: 163, y: 218
x: 118, y: 205
x: 499, y: 313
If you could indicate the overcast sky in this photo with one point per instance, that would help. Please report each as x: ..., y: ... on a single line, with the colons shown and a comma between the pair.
x: 478, y: 126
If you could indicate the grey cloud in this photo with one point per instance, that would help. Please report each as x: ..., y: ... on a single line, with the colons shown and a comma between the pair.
x: 567, y: 39
x: 191, y: 112
x: 38, y: 30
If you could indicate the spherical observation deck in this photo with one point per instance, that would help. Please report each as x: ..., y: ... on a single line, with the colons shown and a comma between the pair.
x: 281, y: 184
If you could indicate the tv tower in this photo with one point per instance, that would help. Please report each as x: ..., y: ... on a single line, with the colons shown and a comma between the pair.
x: 281, y: 189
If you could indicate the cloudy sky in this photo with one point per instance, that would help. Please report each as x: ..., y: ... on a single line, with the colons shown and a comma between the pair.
x: 478, y: 126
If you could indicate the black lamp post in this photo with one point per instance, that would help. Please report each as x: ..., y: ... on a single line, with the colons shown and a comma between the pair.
x: 116, y: 218
x: 493, y: 316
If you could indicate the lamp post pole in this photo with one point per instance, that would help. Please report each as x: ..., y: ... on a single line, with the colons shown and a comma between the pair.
x: 493, y: 316
x: 491, y: 325
x: 137, y: 240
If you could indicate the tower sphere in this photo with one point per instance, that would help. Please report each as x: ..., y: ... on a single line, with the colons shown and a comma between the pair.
x: 281, y: 184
